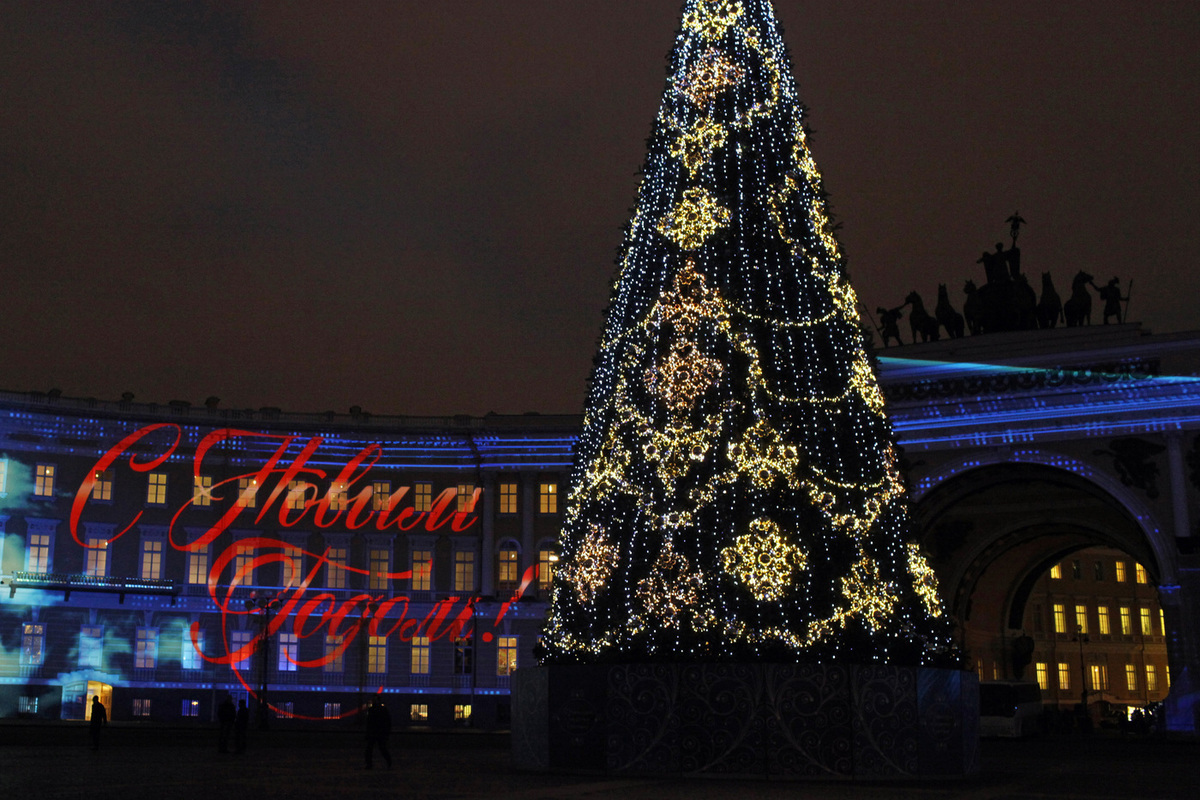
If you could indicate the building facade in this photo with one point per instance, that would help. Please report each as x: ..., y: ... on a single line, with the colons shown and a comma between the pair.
x: 166, y: 556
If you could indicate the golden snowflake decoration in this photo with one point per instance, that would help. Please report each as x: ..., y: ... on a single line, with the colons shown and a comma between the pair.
x: 588, y: 572
x: 712, y: 18
x: 683, y: 376
x: 764, y: 455
x: 672, y: 589
x: 696, y: 146
x: 871, y: 598
x: 697, y: 217
x: 925, y: 580
x: 711, y: 75
x: 764, y: 561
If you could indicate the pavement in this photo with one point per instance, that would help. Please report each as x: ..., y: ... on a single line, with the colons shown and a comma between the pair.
x: 136, y: 761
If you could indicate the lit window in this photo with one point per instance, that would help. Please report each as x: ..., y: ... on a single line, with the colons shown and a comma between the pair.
x: 1043, y: 675
x: 284, y: 710
x: 1064, y: 676
x: 190, y: 708
x: 422, y: 570
x: 506, y: 655
x: 156, y: 489
x: 548, y: 498
x: 335, y: 570
x: 37, y: 553
x: 465, y: 497
x: 1131, y: 681
x: 1119, y: 568
x: 1102, y: 613
x: 27, y: 705
x: 1162, y: 622
x: 145, y: 652
x: 381, y: 493
x: 418, y: 712
x: 333, y: 710
x: 1140, y: 571
x: 334, y: 654
x: 238, y: 640
x: 248, y: 492
x: 152, y: 553
x: 198, y: 567
x: 1099, y: 674
x: 381, y: 565
x: 464, y: 657
x: 91, y: 647
x: 547, y: 561
x: 95, y: 564
x: 292, y: 566
x: 462, y: 714
x: 141, y: 707
x: 289, y: 651
x: 1060, y: 618
x: 243, y: 565
x: 1147, y: 627
x: 1056, y: 571
x: 508, y: 566
x: 297, y: 492
x: 1081, y: 622
x: 103, y: 487
x: 1151, y: 678
x: 33, y: 644
x: 1126, y: 621
x: 43, y: 480
x: 3, y: 475
x: 377, y: 655
x: 189, y: 653
x: 419, y: 664
x: 422, y: 496
x: 464, y: 571
x: 508, y: 498
x: 337, y: 497
x: 202, y: 490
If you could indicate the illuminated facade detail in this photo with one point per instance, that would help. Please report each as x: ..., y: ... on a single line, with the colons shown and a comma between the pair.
x: 764, y: 561
x: 697, y: 217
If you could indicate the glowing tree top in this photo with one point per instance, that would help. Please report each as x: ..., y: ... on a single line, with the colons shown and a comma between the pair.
x: 736, y: 492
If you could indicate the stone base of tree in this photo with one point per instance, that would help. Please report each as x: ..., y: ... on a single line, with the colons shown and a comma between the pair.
x: 783, y: 721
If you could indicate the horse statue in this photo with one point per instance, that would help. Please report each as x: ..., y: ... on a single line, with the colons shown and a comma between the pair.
x: 1078, y: 308
x: 950, y: 319
x: 1049, y: 308
x: 972, y: 309
x: 922, y: 322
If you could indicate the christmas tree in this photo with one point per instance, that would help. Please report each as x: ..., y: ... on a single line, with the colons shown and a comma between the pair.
x: 736, y: 494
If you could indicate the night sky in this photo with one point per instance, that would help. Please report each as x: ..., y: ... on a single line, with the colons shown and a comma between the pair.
x: 414, y: 206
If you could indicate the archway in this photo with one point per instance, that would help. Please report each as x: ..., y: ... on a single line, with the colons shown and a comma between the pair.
x: 1050, y: 577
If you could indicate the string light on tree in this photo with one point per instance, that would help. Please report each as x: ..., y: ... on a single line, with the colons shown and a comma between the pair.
x: 736, y: 494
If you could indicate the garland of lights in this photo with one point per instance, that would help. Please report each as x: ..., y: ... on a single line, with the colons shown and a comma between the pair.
x: 736, y: 488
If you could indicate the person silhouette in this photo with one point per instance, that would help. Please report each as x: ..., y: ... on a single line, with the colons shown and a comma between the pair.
x: 379, y: 726
x: 226, y: 717
x: 1110, y: 293
x: 99, y: 719
x: 240, y: 723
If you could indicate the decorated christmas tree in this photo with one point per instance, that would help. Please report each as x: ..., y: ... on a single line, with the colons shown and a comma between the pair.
x: 736, y: 492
